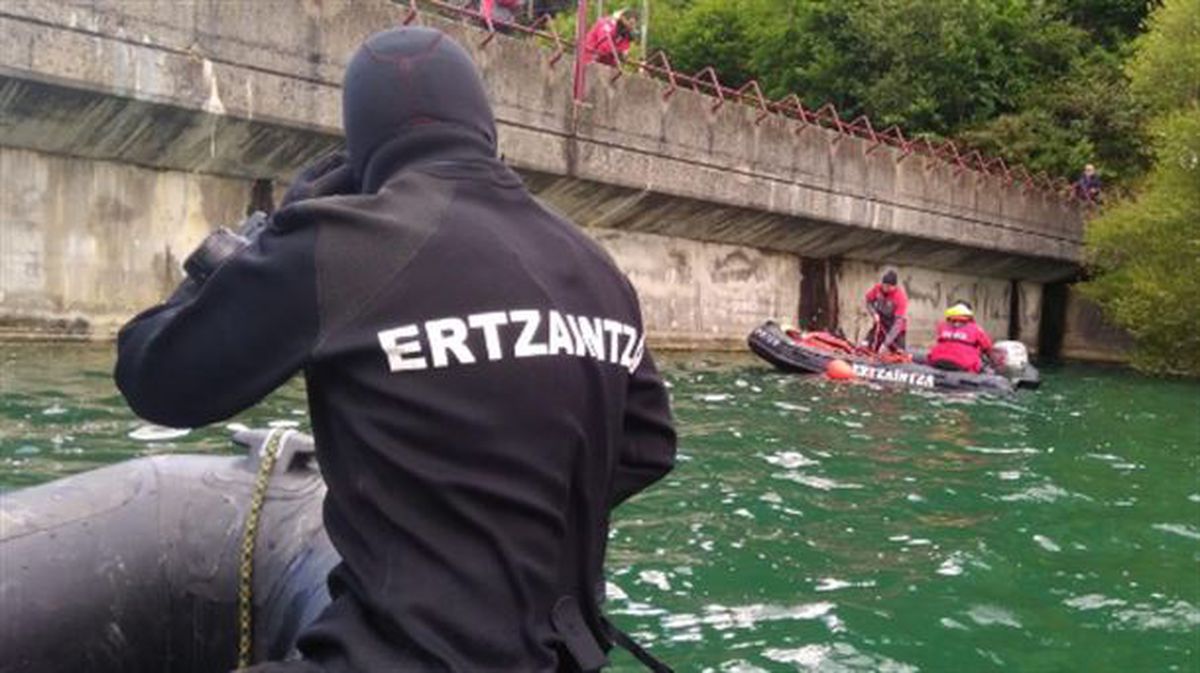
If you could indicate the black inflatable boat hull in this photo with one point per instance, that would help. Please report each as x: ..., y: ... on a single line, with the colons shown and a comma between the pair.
x: 133, y: 568
x: 772, y: 344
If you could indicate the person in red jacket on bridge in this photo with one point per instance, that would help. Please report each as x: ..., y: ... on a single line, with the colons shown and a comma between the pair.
x: 503, y: 11
x: 610, y: 38
x: 887, y: 303
x: 961, y: 343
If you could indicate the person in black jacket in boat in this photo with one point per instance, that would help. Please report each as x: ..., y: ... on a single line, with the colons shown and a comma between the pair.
x: 478, y: 382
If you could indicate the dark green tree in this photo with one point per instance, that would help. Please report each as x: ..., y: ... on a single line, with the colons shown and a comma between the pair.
x: 716, y: 33
x: 1110, y: 23
x: 1039, y: 83
x: 933, y: 65
x: 1086, y: 115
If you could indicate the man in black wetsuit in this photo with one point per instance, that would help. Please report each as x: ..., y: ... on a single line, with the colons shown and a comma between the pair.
x: 476, y: 370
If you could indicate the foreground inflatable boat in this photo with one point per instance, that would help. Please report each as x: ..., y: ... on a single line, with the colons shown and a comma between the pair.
x: 135, y: 567
x: 812, y: 352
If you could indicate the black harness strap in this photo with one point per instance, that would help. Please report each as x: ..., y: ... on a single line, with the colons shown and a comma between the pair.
x: 581, y: 644
x: 621, y: 639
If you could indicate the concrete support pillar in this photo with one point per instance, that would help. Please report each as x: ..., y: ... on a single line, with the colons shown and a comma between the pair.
x: 1054, y: 320
x: 818, y: 293
x: 1014, y: 309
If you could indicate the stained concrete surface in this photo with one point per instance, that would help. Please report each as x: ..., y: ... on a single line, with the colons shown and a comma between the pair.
x: 1088, y: 336
x: 84, y: 244
x: 131, y: 129
x: 930, y: 293
x: 707, y: 295
x: 252, y: 89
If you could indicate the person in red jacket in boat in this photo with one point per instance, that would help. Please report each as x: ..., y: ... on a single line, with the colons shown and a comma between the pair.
x: 961, y: 343
x: 610, y: 38
x: 887, y: 302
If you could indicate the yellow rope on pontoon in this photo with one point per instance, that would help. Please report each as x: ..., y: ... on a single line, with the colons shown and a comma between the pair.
x: 270, y: 452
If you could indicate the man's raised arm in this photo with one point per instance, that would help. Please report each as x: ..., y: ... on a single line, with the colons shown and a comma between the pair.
x: 218, y: 346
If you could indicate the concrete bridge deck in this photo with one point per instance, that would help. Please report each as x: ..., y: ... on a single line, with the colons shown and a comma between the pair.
x: 179, y: 104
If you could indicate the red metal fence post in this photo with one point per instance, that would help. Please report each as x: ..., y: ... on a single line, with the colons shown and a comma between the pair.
x: 581, y: 16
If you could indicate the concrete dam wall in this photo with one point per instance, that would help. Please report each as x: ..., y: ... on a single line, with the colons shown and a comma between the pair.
x: 129, y: 130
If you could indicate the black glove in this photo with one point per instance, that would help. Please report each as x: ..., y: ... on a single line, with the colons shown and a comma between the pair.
x: 329, y: 175
x: 220, y: 245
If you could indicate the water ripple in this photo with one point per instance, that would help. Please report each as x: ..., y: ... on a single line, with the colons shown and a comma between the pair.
x: 957, y: 534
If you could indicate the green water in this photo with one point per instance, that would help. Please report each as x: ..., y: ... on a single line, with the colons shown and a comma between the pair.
x: 817, y: 526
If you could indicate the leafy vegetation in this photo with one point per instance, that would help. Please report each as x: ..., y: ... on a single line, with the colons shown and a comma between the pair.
x: 1050, y: 84
x: 1040, y: 83
x: 1145, y: 251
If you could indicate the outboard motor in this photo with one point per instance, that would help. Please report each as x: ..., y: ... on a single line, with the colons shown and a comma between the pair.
x: 1010, y: 357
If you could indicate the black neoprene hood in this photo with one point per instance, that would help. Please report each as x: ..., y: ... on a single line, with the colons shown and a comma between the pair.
x: 405, y: 78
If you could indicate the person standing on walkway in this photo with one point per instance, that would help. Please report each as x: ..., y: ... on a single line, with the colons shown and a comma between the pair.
x: 501, y: 11
x: 887, y: 302
x: 610, y: 38
x: 1088, y: 186
x: 479, y: 386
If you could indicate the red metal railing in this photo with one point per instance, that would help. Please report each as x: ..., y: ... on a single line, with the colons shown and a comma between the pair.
x: 707, y: 82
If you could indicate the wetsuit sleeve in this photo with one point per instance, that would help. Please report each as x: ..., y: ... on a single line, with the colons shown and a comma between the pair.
x: 215, y: 349
x: 648, y: 452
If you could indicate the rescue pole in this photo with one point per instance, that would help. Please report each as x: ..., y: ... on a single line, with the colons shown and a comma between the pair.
x: 581, y: 21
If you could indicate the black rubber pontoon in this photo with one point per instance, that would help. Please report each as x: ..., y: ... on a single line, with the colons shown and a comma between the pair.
x: 775, y: 345
x: 133, y: 568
